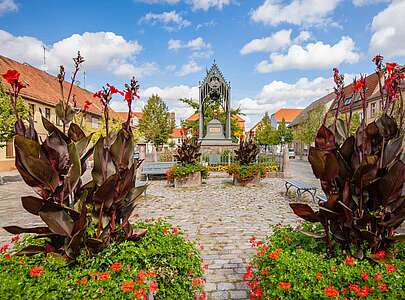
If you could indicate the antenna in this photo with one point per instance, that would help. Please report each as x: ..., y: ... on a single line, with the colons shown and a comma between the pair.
x: 44, y: 67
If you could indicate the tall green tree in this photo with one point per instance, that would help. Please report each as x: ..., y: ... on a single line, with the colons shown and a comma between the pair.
x: 284, y: 134
x: 213, y: 109
x: 306, y: 131
x: 156, y: 124
x: 265, y: 133
x: 7, y: 118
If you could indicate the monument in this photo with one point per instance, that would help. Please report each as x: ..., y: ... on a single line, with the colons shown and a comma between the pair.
x: 215, y: 95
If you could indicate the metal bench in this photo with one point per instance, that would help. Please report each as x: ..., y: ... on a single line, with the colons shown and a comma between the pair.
x: 301, y: 187
x: 155, y: 168
x: 321, y: 198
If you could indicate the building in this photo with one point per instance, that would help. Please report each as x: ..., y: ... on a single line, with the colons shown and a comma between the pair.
x: 42, y: 94
x: 286, y: 114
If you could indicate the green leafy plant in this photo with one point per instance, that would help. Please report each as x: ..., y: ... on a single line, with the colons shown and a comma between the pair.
x: 362, y: 175
x: 247, y: 152
x: 293, y: 265
x: 54, y: 167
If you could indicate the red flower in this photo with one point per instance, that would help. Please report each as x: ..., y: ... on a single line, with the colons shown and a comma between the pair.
x: 36, y: 271
x: 275, y: 254
x: 249, y: 274
x: 7, y: 256
x: 197, y: 281
x: 140, y: 293
x: 349, y: 261
x: 364, y: 276
x: 252, y: 240
x: 377, y: 276
x: 353, y: 287
x: 331, y: 291
x: 380, y: 254
x: 82, y: 281
x: 15, y: 238
x: 344, y: 291
x: 175, y: 230
x: 87, y: 105
x: 358, y: 85
x: 128, y: 286
x: 165, y: 231
x: 363, y: 292
x: 390, y: 67
x: 318, y: 276
x: 284, y: 285
x: 153, y: 287
x: 383, y: 287
x: 11, y: 76
x: 113, y: 89
x: 201, y: 296
x: 4, y: 247
x: 265, y: 272
x: 390, y: 268
x: 116, y: 267
x: 103, y: 276
x: 151, y: 274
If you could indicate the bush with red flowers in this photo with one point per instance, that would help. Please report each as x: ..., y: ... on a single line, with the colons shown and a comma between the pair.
x: 162, y: 264
x: 293, y: 265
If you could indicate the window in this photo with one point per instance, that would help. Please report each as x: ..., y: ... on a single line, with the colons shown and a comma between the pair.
x: 361, y: 115
x: 58, y: 121
x: 32, y: 110
x: 373, y: 109
x: 48, y: 113
x: 9, y: 149
x: 94, y: 122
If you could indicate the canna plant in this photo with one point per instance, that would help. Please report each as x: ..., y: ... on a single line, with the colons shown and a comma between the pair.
x: 189, y: 150
x: 363, y: 175
x: 247, y: 152
x: 78, y: 216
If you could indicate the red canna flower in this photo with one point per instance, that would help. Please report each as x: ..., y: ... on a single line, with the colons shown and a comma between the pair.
x: 391, y: 67
x: 318, y: 276
x: 87, y: 105
x: 284, y: 285
x: 116, y: 267
x: 364, y: 276
x: 331, y: 291
x: 36, y: 271
x: 113, y: 89
x: 153, y: 287
x: 127, y: 286
x: 11, y: 76
x: 358, y: 85
x: 383, y: 287
x: 390, y: 268
x: 377, y: 276
x: 349, y: 261
x: 175, y: 230
x: 103, y: 276
x: 380, y: 254
x: 98, y: 94
x: 15, y: 238
x: 7, y: 256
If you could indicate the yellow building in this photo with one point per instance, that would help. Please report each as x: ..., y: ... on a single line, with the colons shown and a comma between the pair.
x: 42, y: 94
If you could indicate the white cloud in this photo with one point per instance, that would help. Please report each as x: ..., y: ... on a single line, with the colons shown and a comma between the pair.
x: 195, y: 44
x: 278, y: 94
x: 171, y: 68
x: 7, y: 6
x: 312, y: 56
x: 129, y: 70
x: 103, y: 51
x: 170, y: 20
x: 368, y: 2
x: 207, y: 4
x: 297, y: 12
x: 303, y: 37
x: 389, y: 31
x: 189, y: 68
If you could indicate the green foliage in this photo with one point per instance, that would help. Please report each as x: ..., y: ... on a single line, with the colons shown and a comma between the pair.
x: 185, y: 169
x: 7, y: 118
x: 297, y: 262
x: 164, y: 251
x: 213, y: 109
x: 355, y: 123
x: 306, y: 131
x: 114, y: 126
x: 156, y: 124
x: 265, y: 133
x: 284, y: 134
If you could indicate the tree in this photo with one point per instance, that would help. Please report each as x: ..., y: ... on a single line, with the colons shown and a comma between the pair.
x: 284, y: 134
x: 7, y: 117
x: 156, y: 124
x: 113, y: 126
x: 265, y: 132
x: 213, y: 109
x: 306, y: 131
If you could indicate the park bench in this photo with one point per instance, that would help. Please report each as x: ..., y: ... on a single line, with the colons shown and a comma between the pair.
x: 301, y: 187
x: 155, y: 168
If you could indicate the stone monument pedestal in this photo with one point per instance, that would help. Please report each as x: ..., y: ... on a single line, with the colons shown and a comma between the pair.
x: 214, y: 141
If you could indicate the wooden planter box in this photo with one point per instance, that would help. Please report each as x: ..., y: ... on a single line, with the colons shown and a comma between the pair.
x: 192, y: 180
x: 237, y: 182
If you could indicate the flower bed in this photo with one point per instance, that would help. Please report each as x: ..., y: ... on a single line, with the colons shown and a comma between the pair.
x: 162, y: 263
x: 291, y: 265
x: 183, y: 170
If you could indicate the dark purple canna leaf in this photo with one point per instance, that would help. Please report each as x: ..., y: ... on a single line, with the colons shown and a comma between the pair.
x: 52, y: 129
x: 32, y: 204
x: 390, y: 186
x: 347, y: 149
x: 392, y: 150
x: 75, y: 171
x: 58, y: 221
x: 75, y: 133
x: 305, y: 211
x: 324, y: 164
x: 137, y: 234
x: 122, y: 149
x: 19, y: 230
x: 325, y: 140
x: 30, y: 250
x: 387, y: 126
x: 105, y: 193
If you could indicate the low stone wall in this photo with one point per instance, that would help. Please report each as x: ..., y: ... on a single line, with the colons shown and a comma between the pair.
x: 192, y: 180
x: 237, y: 182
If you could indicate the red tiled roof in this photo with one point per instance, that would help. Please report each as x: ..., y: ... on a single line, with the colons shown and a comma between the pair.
x: 288, y: 114
x: 44, y: 88
x: 124, y: 114
x: 178, y: 133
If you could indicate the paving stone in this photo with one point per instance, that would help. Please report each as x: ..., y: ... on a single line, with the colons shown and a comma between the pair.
x: 239, y: 295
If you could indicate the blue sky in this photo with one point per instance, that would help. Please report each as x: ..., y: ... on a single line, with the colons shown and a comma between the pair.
x: 275, y: 53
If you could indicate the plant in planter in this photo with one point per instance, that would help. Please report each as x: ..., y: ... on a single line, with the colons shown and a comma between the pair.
x: 362, y: 175
x: 188, y: 172
x: 245, y: 170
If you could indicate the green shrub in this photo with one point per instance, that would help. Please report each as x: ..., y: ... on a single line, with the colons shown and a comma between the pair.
x: 291, y: 265
x: 184, y: 169
x: 162, y: 260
